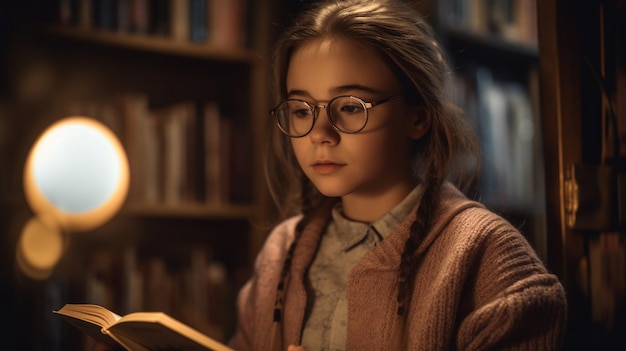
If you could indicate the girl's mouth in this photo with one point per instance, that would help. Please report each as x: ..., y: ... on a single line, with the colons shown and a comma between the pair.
x: 326, y: 167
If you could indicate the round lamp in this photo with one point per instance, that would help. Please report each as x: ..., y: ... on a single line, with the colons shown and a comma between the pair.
x: 76, y: 175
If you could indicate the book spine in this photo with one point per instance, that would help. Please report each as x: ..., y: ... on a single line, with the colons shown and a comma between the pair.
x: 179, y: 20
x: 160, y: 17
x: 227, y: 25
x: 135, y: 113
x: 68, y: 12
x: 515, y: 21
x: 139, y: 16
x: 152, y: 165
x: 123, y: 16
x: 198, y: 24
x: 240, y: 187
x: 212, y: 154
x: 105, y: 14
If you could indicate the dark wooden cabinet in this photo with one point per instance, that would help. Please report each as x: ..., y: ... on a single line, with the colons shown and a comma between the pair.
x: 581, y: 46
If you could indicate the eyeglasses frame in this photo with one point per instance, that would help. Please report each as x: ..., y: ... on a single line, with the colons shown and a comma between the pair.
x: 314, y: 110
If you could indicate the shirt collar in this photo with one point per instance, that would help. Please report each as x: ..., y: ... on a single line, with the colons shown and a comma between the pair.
x: 352, y: 233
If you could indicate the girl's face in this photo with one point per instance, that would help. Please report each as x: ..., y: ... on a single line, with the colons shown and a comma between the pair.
x: 375, y: 161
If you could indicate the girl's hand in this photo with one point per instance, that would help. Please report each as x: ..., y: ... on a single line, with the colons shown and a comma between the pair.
x: 295, y: 348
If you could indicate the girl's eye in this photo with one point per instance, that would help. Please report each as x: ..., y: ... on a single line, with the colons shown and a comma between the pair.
x: 351, y: 109
x: 301, y: 113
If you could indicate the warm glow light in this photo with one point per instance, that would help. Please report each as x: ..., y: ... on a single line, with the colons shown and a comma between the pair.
x: 39, y: 249
x: 76, y: 175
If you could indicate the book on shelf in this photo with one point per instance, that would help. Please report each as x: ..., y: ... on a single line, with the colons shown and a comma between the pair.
x: 179, y: 20
x: 504, y: 114
x: 227, y: 150
x: 514, y: 21
x: 223, y: 23
x: 159, y: 14
x: 160, y: 142
x: 68, y: 12
x: 175, y: 127
x: 213, y: 153
x: 194, y: 287
x: 227, y: 23
x: 137, y: 331
x: 506, y: 129
x: 179, y: 153
x: 198, y: 21
x: 619, y: 106
x: 106, y: 14
x: 134, y: 111
x: 138, y: 16
x: 240, y: 151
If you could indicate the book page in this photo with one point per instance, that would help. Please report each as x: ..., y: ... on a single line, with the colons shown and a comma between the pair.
x: 158, y: 331
x: 89, y: 319
x: 93, y: 314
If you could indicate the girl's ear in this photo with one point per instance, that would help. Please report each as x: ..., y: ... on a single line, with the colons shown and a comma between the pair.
x: 420, y: 122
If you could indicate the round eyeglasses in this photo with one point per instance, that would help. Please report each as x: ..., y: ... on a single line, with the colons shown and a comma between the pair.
x: 347, y: 114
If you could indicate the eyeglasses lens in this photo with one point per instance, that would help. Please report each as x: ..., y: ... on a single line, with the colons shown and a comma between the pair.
x: 295, y: 118
x: 347, y: 114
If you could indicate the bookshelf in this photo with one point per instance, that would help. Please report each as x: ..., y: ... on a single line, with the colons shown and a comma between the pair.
x: 494, y: 55
x: 184, y: 242
x: 157, y: 44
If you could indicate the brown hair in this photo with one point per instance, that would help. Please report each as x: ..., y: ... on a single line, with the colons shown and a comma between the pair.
x: 403, y: 38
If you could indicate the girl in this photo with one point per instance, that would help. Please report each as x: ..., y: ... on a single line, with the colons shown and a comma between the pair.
x: 382, y: 251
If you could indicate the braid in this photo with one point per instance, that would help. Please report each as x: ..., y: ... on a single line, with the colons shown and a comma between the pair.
x: 280, y: 290
x: 276, y: 332
x: 276, y: 340
x: 306, y: 210
x: 309, y: 213
x: 409, y: 261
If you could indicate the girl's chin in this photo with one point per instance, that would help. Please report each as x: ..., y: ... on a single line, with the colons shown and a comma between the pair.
x: 330, y: 191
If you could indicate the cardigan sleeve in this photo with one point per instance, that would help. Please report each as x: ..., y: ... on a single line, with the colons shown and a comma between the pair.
x: 242, y: 338
x: 529, y: 315
x: 519, y: 305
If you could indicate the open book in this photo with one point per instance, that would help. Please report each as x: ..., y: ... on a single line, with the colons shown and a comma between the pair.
x: 139, y: 331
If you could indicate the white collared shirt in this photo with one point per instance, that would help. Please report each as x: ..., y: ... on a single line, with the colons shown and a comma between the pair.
x: 342, y: 246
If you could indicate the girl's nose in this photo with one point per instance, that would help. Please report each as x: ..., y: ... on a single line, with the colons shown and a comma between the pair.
x: 323, y: 131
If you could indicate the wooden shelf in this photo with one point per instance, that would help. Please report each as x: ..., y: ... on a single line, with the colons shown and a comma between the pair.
x: 152, y: 43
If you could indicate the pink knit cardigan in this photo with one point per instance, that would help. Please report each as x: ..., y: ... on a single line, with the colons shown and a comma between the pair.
x: 480, y: 286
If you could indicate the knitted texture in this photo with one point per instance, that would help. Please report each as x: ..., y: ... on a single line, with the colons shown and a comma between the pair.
x: 480, y: 286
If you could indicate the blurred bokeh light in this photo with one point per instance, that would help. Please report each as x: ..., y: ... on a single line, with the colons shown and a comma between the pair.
x: 76, y: 175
